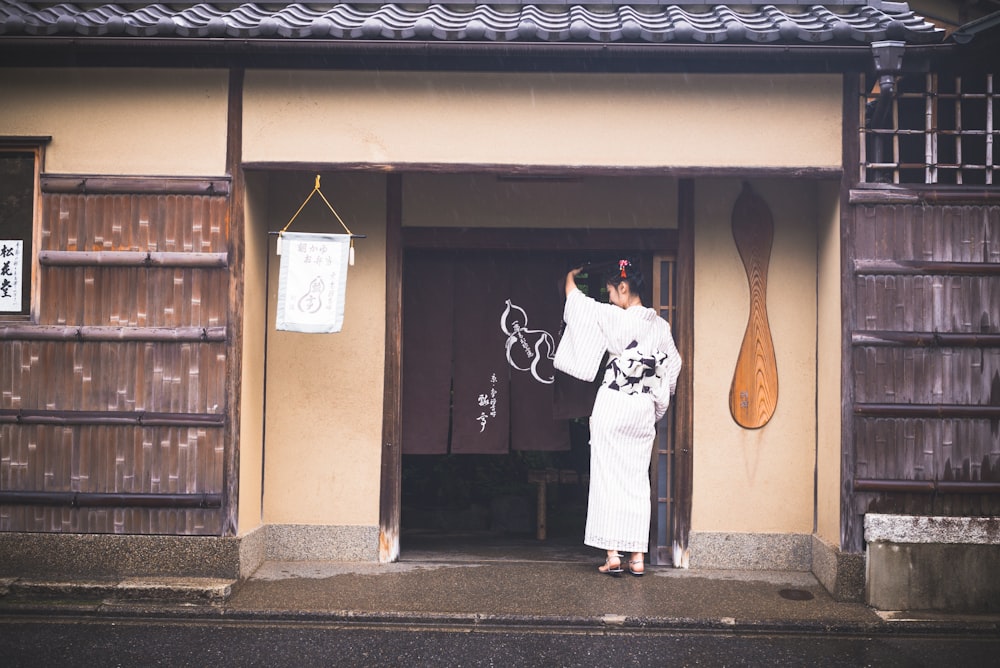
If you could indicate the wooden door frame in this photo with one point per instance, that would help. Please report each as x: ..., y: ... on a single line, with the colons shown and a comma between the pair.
x: 398, y: 238
x: 684, y: 399
x: 390, y: 494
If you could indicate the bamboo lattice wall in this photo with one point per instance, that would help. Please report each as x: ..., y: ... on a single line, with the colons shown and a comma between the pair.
x: 925, y: 362
x: 112, y: 405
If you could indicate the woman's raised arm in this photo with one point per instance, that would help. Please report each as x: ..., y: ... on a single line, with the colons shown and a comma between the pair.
x: 571, y: 280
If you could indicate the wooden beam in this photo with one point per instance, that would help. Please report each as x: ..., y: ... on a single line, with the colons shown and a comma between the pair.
x: 110, y: 499
x: 938, y: 411
x: 390, y: 493
x: 927, y: 486
x: 86, y: 184
x: 924, y: 339
x: 235, y: 226
x: 123, y: 418
x: 89, y: 333
x: 922, y: 267
x: 548, y: 172
x: 683, y: 330
x: 576, y: 239
x: 851, y: 522
x: 142, y: 259
x: 874, y: 194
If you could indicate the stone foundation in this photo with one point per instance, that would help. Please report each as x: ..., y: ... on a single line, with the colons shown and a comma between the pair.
x: 97, y: 556
x: 82, y: 556
x: 750, y: 551
x: 305, y: 542
x: 841, y: 573
x: 933, y: 563
x: 89, y: 556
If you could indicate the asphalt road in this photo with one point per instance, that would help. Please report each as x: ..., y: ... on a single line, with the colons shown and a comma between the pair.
x: 98, y: 642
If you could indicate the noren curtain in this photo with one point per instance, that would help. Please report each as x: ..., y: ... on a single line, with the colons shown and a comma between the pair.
x: 479, y: 332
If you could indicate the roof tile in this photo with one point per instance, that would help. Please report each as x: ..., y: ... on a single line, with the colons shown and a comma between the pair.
x: 636, y: 22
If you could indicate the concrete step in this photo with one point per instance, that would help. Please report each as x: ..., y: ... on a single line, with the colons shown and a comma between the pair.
x: 128, y: 590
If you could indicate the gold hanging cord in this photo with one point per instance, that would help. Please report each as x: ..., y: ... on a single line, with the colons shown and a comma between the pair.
x: 332, y: 210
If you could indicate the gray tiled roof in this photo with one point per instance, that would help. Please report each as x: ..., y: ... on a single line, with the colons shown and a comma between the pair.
x: 642, y: 21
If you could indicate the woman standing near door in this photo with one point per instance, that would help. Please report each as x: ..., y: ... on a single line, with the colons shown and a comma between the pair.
x: 639, y: 378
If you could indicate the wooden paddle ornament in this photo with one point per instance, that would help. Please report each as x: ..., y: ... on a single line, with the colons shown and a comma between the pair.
x: 753, y: 394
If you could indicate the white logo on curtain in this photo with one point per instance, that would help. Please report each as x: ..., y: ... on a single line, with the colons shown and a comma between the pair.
x: 527, y: 349
x: 488, y: 402
x: 312, y: 282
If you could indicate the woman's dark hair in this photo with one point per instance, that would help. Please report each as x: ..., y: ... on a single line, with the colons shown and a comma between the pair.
x: 626, y: 270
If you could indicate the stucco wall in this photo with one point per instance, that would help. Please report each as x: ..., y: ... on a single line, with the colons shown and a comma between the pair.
x: 120, y: 121
x: 322, y: 442
x: 252, y: 382
x: 540, y: 119
x: 754, y: 480
x: 828, y: 346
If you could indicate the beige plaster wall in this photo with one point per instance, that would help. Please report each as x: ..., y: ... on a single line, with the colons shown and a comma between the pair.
x: 754, y: 480
x: 254, y: 321
x: 487, y: 200
x: 323, y: 433
x: 828, y: 347
x: 120, y: 121
x: 635, y: 120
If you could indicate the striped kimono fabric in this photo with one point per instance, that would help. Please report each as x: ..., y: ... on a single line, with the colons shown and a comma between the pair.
x: 622, y: 425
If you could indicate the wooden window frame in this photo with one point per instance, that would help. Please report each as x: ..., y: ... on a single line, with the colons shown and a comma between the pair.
x: 36, y: 147
x: 943, y: 125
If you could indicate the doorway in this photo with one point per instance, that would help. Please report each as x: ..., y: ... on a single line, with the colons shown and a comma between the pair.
x: 522, y: 492
x: 575, y: 213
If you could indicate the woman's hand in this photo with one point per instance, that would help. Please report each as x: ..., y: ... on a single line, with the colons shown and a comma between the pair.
x: 571, y: 280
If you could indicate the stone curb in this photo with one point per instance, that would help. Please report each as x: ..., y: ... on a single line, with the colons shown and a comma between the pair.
x: 137, y: 609
x: 162, y: 590
x: 207, y: 599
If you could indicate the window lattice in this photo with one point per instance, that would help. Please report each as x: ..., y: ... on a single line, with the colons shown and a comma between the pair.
x: 936, y: 129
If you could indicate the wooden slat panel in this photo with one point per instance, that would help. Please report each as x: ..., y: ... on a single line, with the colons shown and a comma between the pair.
x: 78, y: 395
x: 926, y: 449
x: 109, y: 459
x: 113, y: 376
x: 148, y: 223
x: 133, y: 297
x: 923, y: 316
x: 925, y: 233
x: 928, y: 303
x: 191, y: 522
x: 925, y: 375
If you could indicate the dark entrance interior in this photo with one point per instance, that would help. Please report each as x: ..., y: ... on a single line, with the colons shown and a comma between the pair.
x: 507, y: 501
x: 485, y: 503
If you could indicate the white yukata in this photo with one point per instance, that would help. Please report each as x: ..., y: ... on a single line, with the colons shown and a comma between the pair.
x: 639, y: 378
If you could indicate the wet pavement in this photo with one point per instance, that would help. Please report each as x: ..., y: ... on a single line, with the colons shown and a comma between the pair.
x: 563, y: 593
x: 494, y: 584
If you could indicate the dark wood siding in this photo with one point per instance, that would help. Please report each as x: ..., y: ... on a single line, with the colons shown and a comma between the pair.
x: 113, y: 405
x: 924, y: 323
